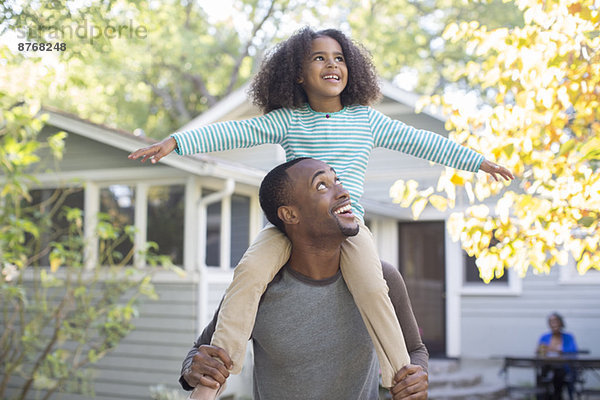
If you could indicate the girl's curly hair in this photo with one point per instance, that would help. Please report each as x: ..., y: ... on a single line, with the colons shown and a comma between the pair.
x: 276, y: 84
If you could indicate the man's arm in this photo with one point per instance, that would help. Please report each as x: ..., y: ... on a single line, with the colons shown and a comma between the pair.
x: 399, y: 296
x: 412, y: 380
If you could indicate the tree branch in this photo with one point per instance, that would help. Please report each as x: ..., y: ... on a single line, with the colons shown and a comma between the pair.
x: 244, y: 53
x: 48, y: 348
x: 165, y: 95
x: 180, y: 105
x: 197, y: 81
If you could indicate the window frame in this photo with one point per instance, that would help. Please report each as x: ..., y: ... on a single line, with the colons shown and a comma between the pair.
x: 513, y: 287
x: 568, y: 274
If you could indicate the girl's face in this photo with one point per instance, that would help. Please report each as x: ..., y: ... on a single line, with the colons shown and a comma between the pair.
x: 324, y: 73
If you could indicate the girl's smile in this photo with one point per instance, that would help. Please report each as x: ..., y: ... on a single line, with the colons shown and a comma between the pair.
x: 324, y: 75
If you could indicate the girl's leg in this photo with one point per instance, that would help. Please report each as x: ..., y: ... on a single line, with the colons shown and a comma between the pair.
x: 361, y: 269
x: 257, y: 268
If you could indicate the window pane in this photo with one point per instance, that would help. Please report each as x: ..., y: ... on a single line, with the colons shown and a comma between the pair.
x: 213, y: 232
x: 165, y: 220
x: 50, y: 203
x: 118, y: 201
x: 472, y: 272
x: 240, y: 227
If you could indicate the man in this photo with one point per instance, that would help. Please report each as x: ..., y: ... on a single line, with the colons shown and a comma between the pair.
x: 309, y: 339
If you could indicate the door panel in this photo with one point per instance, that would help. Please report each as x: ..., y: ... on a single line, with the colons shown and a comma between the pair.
x: 421, y: 262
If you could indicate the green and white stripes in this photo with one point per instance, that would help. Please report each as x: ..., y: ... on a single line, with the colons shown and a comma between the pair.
x: 343, y: 139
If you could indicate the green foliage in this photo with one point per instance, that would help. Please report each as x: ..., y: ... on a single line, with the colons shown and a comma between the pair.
x: 539, y: 117
x: 57, y: 321
x: 406, y: 36
x: 168, y: 64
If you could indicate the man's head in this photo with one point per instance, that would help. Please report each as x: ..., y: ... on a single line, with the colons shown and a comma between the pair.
x: 305, y: 195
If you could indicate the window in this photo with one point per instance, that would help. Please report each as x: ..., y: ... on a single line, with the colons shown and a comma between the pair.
x: 165, y: 220
x: 118, y: 202
x: 240, y: 230
x: 471, y: 273
x: 213, y: 234
x: 48, y: 214
x: 568, y: 274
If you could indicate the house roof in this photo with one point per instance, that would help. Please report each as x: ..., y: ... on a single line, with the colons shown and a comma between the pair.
x: 200, y: 164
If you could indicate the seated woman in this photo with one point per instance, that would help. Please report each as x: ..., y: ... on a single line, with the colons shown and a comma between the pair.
x: 555, y: 343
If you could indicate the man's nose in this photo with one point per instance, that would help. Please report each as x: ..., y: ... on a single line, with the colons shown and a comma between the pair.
x: 342, y: 193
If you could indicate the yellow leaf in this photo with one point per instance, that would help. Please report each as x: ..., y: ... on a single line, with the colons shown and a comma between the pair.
x: 418, y: 207
x: 457, y: 179
x: 439, y: 202
x: 54, y: 263
x: 456, y: 224
x: 397, y: 191
x: 584, y: 264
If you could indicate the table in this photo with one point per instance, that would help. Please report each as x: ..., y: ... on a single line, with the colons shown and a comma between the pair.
x: 578, y: 362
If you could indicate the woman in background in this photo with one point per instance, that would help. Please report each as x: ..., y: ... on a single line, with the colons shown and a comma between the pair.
x: 556, y: 343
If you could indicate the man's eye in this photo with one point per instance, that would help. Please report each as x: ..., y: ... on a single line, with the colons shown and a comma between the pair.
x: 337, y: 181
x: 321, y: 186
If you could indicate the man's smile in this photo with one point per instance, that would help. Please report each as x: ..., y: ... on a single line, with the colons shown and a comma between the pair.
x: 344, y: 210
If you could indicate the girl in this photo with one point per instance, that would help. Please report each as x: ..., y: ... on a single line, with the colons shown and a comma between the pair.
x: 315, y: 89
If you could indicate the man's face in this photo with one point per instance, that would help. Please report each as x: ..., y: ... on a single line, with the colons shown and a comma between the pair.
x: 322, y: 202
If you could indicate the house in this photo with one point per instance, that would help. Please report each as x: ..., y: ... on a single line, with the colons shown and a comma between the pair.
x: 459, y: 314
x: 203, y: 210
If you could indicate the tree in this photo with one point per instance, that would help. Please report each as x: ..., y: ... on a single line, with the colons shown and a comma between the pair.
x: 406, y: 38
x: 58, y: 321
x: 168, y: 63
x: 539, y: 115
x: 172, y: 61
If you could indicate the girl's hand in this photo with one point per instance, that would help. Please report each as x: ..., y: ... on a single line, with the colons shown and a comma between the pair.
x: 156, y: 151
x: 493, y: 169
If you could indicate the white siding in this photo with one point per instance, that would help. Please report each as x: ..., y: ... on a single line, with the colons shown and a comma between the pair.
x: 496, y: 325
x: 152, y: 353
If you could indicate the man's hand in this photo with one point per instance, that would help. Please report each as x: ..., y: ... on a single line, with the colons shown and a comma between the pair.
x: 209, y: 367
x: 493, y: 169
x: 156, y: 151
x: 411, y: 382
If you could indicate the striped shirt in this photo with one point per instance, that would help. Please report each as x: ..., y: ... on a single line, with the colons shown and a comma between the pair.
x: 343, y: 140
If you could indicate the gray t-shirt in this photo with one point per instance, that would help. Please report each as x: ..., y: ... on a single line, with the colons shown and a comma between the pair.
x: 310, y: 342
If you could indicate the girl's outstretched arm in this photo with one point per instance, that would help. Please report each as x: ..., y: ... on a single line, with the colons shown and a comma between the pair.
x: 226, y: 135
x: 156, y: 151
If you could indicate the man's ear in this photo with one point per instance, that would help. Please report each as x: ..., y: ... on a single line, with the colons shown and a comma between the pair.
x: 288, y: 214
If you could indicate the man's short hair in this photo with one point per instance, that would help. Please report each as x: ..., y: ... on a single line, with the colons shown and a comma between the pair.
x: 275, y: 191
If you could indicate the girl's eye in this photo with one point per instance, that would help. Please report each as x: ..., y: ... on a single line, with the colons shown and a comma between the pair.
x: 319, y: 58
x: 339, y: 58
